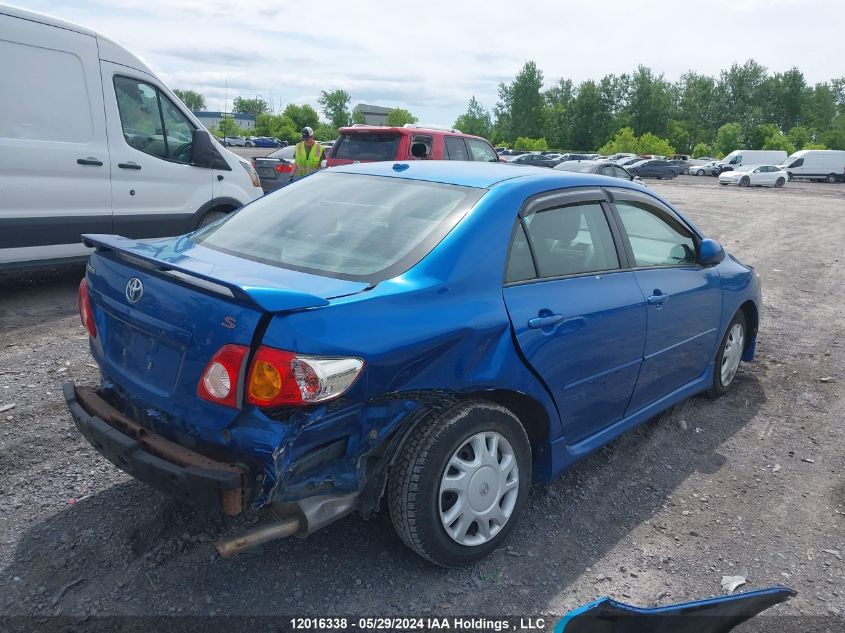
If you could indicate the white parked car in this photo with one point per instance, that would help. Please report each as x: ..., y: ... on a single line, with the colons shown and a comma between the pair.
x: 707, y: 169
x: 754, y: 176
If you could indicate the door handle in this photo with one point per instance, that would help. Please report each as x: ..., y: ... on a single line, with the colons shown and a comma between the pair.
x: 129, y: 166
x: 658, y: 298
x: 89, y: 161
x: 544, y: 321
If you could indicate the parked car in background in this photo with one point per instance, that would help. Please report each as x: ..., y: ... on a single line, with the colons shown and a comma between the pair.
x: 702, y: 160
x: 327, y: 145
x: 754, y: 176
x: 234, y: 141
x: 533, y: 160
x: 368, y: 143
x: 827, y: 165
x: 275, y: 170
x: 682, y: 165
x: 653, y: 168
x: 554, y: 156
x: 627, y: 162
x: 98, y: 144
x: 394, y: 315
x: 621, y: 156
x: 751, y: 157
x: 707, y: 169
x: 602, y: 168
x: 263, y: 141
x: 571, y: 156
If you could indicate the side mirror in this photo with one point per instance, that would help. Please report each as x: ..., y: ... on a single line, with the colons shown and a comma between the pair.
x: 204, y: 153
x: 710, y: 252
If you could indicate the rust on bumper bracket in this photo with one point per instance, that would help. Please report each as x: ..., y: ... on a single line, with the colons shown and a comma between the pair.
x: 153, y: 459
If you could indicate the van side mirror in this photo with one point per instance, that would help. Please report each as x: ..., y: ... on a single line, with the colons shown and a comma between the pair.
x: 204, y: 153
x: 710, y: 252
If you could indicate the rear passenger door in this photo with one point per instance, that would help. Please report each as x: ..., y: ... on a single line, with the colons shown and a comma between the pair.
x: 579, y: 318
x: 456, y: 148
x: 684, y: 298
x: 54, y: 157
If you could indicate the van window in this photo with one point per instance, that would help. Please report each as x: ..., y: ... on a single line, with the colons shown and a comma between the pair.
x: 52, y: 106
x: 798, y: 163
x: 367, y: 146
x: 151, y: 122
x: 736, y: 160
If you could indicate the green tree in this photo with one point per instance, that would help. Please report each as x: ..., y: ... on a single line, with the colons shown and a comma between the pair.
x: 760, y: 134
x: 624, y: 141
x: 678, y: 135
x: 358, y: 117
x: 254, y: 106
x: 228, y: 127
x: 525, y: 103
x: 194, y: 100
x: 325, y: 132
x: 398, y: 117
x: 590, y: 118
x: 530, y: 144
x: 650, y: 101
x: 335, y: 105
x: 476, y: 120
x: 729, y: 138
x: 650, y: 143
x: 702, y: 149
x: 778, y: 140
x: 302, y: 116
x: 801, y: 136
x: 558, y: 125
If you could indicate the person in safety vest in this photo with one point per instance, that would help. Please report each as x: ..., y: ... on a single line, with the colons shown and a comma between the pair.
x: 308, y: 154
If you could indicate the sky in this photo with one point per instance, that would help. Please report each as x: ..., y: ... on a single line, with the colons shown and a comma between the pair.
x: 431, y: 57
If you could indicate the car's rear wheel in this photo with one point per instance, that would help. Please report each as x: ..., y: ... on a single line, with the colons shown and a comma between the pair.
x: 729, y: 356
x: 830, y: 178
x: 780, y: 182
x: 700, y: 172
x: 745, y: 181
x: 460, y: 483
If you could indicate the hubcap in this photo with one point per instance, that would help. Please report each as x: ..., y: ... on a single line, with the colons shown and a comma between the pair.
x: 732, y: 353
x: 479, y: 489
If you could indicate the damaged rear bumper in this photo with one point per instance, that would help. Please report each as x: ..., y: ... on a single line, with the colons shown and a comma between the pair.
x: 155, y: 460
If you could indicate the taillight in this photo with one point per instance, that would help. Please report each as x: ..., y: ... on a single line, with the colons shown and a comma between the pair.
x: 220, y: 380
x: 284, y: 168
x: 86, y: 314
x: 279, y: 378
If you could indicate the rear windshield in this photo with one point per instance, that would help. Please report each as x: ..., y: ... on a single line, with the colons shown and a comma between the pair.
x: 285, y: 153
x: 349, y: 226
x: 367, y: 146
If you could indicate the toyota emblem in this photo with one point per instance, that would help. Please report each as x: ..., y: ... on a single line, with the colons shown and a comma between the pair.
x: 134, y: 290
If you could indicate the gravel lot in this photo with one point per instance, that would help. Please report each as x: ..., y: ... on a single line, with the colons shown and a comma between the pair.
x: 752, y: 484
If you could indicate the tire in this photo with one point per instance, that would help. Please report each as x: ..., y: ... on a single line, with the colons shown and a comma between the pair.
x: 790, y: 176
x: 744, y: 181
x: 634, y: 172
x: 210, y: 217
x: 830, y: 178
x: 417, y: 501
x: 733, y: 343
x: 248, y: 144
x: 700, y: 172
x: 780, y: 182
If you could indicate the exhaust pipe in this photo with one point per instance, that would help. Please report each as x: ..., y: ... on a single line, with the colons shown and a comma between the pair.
x: 301, y: 518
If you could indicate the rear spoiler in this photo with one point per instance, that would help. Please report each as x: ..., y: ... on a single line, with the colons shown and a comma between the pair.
x: 266, y: 297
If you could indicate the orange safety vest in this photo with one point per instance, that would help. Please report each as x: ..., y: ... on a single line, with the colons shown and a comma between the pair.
x: 310, y: 163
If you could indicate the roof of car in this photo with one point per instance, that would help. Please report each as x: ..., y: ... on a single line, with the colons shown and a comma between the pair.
x: 474, y: 174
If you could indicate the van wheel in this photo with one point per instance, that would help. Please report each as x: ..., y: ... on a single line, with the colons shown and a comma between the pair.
x: 729, y: 356
x: 830, y: 178
x: 460, y: 483
x: 210, y: 218
x: 779, y: 182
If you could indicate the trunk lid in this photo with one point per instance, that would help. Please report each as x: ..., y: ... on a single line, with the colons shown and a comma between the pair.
x: 164, y: 307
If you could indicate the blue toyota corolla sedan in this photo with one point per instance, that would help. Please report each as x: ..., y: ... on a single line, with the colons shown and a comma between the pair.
x: 433, y: 335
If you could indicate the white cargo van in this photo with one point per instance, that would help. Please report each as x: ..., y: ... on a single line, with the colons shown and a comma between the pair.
x: 826, y: 165
x: 91, y: 141
x: 751, y: 157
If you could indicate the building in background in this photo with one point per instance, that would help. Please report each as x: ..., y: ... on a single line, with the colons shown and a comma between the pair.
x: 211, y: 119
x: 373, y: 114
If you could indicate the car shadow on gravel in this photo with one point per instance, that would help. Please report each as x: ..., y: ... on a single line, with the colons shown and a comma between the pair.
x: 130, y: 550
x: 34, y: 297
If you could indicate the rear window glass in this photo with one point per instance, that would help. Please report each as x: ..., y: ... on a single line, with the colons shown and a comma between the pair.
x: 367, y: 146
x: 285, y: 153
x: 358, y: 227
